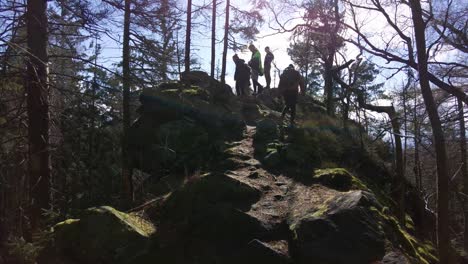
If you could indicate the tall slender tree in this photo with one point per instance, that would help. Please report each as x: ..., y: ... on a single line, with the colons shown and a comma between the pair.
x: 226, y: 40
x: 126, y: 170
x: 213, y: 40
x: 38, y: 109
x: 443, y: 239
x: 188, y: 33
x: 464, y: 167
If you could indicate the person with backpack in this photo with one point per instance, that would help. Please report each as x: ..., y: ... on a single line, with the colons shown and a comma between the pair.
x: 267, y: 66
x: 241, y: 76
x: 290, y: 80
x: 255, y: 64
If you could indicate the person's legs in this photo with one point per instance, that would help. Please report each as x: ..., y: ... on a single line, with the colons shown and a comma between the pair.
x: 254, y: 80
x: 238, y: 87
x: 290, y: 99
x: 267, y: 78
x: 243, y: 87
x: 286, y: 106
x: 292, y: 104
x: 259, y: 87
x: 293, y: 113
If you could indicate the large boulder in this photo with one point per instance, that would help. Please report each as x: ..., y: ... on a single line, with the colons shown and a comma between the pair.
x: 267, y: 131
x: 181, y: 128
x: 345, y: 231
x: 209, y: 212
x: 338, y: 178
x: 203, y: 205
x: 102, y: 235
x: 274, y: 252
x: 183, y: 143
x: 219, y: 91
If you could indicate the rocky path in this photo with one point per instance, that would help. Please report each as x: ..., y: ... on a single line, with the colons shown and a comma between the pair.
x: 244, y: 213
x: 282, y: 199
x: 273, y: 204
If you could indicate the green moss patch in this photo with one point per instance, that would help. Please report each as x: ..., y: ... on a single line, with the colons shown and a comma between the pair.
x: 421, y: 251
x: 339, y: 179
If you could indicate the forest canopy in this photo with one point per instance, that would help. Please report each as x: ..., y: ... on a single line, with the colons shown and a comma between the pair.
x: 74, y: 77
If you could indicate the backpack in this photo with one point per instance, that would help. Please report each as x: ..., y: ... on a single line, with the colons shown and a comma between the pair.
x: 289, y: 79
x: 244, y: 71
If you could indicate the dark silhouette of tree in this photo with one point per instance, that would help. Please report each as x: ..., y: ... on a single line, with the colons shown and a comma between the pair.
x: 213, y: 40
x: 38, y: 110
x: 443, y: 239
x: 126, y: 170
x: 225, y: 45
x: 188, y: 33
x: 464, y: 167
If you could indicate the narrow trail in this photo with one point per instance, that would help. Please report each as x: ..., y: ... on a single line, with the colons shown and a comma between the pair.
x: 273, y: 205
x: 282, y: 198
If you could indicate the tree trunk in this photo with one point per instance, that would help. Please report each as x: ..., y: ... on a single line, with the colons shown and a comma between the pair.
x: 213, y: 40
x: 187, y: 36
x: 417, y: 132
x: 126, y: 170
x: 439, y: 139
x: 39, y: 164
x: 464, y: 168
x: 226, y: 39
x: 405, y: 118
x: 400, y: 175
x: 179, y: 55
x: 328, y: 84
x: 166, y: 39
x: 345, y: 117
x: 328, y: 69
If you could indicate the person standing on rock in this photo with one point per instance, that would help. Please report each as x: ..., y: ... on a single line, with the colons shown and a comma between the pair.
x: 267, y: 66
x: 290, y: 80
x: 255, y: 64
x: 241, y: 76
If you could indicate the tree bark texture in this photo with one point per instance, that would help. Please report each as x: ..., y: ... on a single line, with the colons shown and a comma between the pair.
x: 438, y: 134
x: 464, y: 167
x: 39, y: 164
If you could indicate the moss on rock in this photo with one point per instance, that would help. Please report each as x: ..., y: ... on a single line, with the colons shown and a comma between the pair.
x: 339, y: 179
x: 342, y: 221
x: 101, y: 235
x: 418, y: 251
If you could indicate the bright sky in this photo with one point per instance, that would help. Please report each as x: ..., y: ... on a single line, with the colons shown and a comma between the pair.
x: 278, y: 45
x: 201, y: 46
x: 373, y: 22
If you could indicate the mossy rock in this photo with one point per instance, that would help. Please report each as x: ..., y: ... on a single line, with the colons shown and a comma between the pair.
x: 339, y: 179
x: 182, y: 136
x: 251, y: 111
x: 417, y: 251
x: 267, y: 131
x: 196, y: 92
x: 345, y: 226
x: 297, y: 154
x: 101, y: 235
x: 272, y: 159
x: 211, y: 209
x: 208, y: 189
x: 170, y: 86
